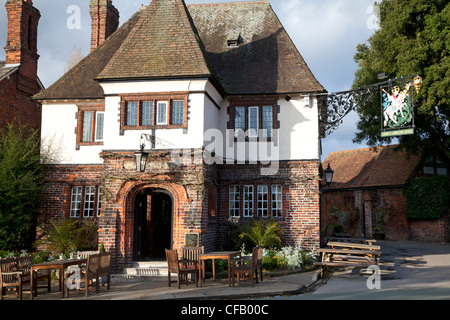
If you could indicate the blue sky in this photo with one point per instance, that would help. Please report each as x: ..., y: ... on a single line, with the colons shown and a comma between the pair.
x: 326, y: 32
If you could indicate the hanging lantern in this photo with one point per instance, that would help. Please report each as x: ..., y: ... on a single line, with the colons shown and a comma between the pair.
x: 329, y: 175
x: 418, y: 81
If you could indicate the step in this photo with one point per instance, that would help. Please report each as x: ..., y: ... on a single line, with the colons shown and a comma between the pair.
x: 144, y: 269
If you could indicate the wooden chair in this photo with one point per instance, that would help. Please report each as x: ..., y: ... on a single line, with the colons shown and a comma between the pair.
x: 193, y: 254
x: 87, y: 275
x: 104, y: 268
x: 85, y: 254
x: 181, y: 269
x: 10, y: 277
x: 248, y: 265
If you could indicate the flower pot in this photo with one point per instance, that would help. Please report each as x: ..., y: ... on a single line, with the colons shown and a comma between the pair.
x: 379, y: 236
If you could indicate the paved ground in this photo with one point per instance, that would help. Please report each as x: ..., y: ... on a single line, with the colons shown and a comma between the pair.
x: 409, y: 270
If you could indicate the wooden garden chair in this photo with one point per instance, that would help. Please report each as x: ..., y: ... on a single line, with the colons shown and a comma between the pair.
x: 180, y: 268
x: 248, y: 265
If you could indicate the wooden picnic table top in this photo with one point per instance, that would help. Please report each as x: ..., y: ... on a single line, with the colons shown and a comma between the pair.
x: 353, y: 245
x: 349, y: 251
x: 355, y: 240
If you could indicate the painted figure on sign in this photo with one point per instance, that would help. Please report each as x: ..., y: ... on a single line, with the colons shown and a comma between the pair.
x: 395, y: 103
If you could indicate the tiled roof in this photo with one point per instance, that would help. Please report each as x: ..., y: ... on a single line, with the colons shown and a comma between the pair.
x: 168, y: 40
x: 364, y: 168
x: 266, y: 60
x: 162, y: 44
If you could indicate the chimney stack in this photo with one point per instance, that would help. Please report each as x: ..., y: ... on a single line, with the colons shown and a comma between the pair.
x: 21, y: 45
x: 105, y: 20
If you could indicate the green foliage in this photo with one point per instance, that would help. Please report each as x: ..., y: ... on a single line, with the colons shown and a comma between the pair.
x: 427, y: 198
x: 67, y: 236
x: 265, y: 233
x: 414, y: 37
x: 21, y: 186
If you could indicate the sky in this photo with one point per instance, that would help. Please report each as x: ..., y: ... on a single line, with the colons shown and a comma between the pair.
x: 326, y: 33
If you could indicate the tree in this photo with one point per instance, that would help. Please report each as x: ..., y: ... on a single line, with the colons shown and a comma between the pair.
x: 21, y: 185
x: 414, y: 38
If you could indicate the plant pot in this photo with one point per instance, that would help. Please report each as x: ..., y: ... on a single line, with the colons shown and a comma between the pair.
x: 379, y: 236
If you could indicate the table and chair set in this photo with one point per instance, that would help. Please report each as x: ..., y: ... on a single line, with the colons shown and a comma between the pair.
x: 193, y: 262
x: 88, y: 268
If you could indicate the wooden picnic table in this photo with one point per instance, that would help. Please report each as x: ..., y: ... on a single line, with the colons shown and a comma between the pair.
x: 224, y: 255
x: 349, y: 254
x: 349, y: 245
x: 60, y: 265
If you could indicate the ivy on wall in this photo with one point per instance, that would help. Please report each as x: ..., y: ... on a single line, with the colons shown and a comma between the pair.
x: 427, y: 198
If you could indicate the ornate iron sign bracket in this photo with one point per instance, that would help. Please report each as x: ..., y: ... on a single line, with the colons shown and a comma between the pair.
x: 334, y: 107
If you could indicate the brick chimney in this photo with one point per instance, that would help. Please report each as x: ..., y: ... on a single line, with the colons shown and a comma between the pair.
x: 105, y: 20
x: 21, y: 45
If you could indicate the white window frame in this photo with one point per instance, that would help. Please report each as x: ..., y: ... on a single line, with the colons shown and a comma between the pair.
x: 277, y: 200
x: 234, y: 201
x: 75, y: 201
x: 263, y: 204
x: 97, y: 129
x: 159, y: 105
x: 88, y: 117
x: 249, y: 194
x: 252, y: 131
x: 89, y: 201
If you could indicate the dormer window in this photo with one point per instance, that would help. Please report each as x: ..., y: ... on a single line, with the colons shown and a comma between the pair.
x: 234, y: 42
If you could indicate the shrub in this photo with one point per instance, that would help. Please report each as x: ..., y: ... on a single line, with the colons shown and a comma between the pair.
x: 265, y: 233
x: 427, y: 198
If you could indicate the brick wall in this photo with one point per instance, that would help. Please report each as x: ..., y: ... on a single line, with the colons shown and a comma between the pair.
x: 16, y: 107
x: 300, y: 198
x: 199, y: 193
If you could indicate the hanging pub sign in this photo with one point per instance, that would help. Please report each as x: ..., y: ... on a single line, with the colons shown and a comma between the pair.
x: 397, y: 110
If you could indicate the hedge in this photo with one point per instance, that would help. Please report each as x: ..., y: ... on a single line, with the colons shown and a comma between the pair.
x: 427, y: 198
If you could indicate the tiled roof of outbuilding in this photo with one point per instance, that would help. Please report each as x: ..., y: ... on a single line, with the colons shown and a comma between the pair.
x: 365, y: 168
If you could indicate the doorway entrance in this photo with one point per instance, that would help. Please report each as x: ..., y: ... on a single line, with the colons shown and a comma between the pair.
x: 153, y: 222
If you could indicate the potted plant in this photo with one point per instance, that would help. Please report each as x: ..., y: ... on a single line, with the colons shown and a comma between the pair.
x: 379, y: 233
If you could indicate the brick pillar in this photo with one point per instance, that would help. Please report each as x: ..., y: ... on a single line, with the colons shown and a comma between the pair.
x: 368, y: 218
x: 105, y: 21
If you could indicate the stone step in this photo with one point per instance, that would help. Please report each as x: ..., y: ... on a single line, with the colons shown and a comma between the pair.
x: 147, y: 269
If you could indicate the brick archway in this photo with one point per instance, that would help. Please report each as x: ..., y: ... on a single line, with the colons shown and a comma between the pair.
x: 127, y: 196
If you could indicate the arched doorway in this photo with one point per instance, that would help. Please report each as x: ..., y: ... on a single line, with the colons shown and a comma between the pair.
x: 153, y: 224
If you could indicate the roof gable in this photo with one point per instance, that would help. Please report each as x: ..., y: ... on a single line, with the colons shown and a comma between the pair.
x: 364, y: 168
x: 266, y: 61
x: 162, y: 44
x: 79, y: 82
